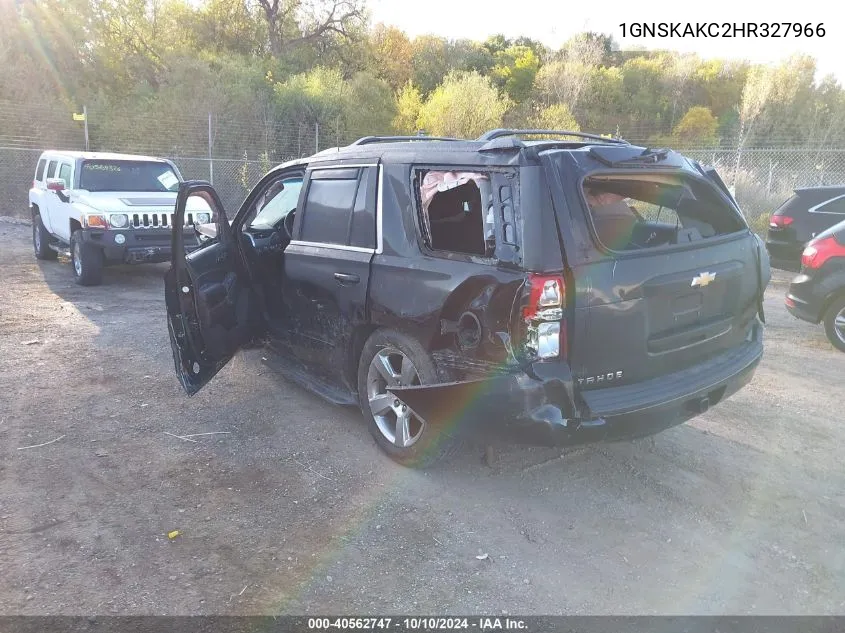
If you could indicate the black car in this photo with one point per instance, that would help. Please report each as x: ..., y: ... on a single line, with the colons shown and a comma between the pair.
x: 802, y: 217
x: 560, y: 290
x: 818, y: 293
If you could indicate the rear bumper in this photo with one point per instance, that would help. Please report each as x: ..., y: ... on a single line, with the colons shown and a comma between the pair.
x: 538, y: 409
x: 806, y: 298
x: 140, y: 245
x: 785, y: 255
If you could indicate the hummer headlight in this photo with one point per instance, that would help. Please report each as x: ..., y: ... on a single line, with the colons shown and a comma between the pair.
x: 119, y: 220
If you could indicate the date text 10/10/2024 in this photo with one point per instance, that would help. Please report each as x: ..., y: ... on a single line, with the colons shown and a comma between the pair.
x: 418, y: 624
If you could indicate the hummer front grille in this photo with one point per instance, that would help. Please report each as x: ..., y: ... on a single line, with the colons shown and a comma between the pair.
x: 156, y: 220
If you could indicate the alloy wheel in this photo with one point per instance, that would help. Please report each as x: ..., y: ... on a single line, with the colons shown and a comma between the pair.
x: 36, y: 236
x: 839, y: 324
x: 395, y: 421
x: 77, y: 261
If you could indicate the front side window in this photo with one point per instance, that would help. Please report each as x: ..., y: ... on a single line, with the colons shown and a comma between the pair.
x: 127, y: 175
x: 632, y: 212
x: 279, y: 199
x: 65, y: 174
x: 39, y: 171
x: 51, y: 170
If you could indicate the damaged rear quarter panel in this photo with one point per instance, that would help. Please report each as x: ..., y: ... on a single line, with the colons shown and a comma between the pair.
x: 422, y: 295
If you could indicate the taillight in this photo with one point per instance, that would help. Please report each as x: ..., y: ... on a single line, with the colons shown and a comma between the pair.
x: 818, y: 252
x: 543, y: 316
x: 780, y: 221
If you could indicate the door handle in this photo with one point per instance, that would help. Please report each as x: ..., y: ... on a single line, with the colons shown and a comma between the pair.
x: 347, y: 278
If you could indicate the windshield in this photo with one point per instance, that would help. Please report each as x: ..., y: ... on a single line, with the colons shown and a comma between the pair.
x: 279, y: 200
x: 125, y: 175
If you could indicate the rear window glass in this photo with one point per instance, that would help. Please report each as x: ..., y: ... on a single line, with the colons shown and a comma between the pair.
x: 633, y: 212
x: 126, y: 175
x: 39, y: 171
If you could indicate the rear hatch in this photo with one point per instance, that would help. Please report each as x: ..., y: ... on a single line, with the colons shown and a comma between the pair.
x: 666, y: 274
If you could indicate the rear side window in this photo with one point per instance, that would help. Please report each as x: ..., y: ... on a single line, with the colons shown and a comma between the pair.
x: 457, y: 214
x: 837, y: 205
x: 39, y: 170
x: 637, y: 211
x: 51, y: 170
x: 329, y: 206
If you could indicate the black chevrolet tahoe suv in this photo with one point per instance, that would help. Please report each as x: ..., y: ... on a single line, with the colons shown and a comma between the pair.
x: 565, y: 289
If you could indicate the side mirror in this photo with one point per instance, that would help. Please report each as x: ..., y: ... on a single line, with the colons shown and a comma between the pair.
x: 56, y: 184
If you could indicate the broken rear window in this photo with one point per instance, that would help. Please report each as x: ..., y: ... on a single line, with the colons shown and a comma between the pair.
x: 633, y: 212
x: 456, y: 212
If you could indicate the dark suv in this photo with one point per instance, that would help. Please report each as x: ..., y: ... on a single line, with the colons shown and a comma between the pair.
x: 818, y: 293
x: 560, y: 290
x: 802, y: 217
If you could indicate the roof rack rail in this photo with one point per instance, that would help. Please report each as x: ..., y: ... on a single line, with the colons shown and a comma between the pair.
x: 494, y: 134
x: 368, y: 140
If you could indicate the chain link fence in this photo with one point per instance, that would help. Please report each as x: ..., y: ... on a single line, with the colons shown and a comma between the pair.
x: 233, y: 153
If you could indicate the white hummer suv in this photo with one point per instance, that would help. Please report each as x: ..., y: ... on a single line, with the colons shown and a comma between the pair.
x: 101, y: 208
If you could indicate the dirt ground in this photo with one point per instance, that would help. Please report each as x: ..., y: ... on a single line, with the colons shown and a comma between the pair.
x: 291, y: 508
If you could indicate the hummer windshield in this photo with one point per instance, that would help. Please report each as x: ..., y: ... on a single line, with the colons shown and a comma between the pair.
x: 127, y: 175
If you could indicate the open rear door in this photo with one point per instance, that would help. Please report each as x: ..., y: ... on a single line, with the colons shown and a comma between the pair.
x: 211, y: 309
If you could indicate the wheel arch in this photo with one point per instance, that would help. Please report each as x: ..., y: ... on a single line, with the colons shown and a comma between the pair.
x: 830, y: 300
x: 359, y: 338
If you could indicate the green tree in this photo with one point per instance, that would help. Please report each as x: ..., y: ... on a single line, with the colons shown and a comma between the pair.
x: 568, y: 79
x: 430, y: 63
x: 697, y: 127
x: 392, y: 55
x: 318, y: 96
x: 555, y: 117
x: 370, y: 107
x: 464, y: 105
x: 515, y: 70
x: 408, y: 105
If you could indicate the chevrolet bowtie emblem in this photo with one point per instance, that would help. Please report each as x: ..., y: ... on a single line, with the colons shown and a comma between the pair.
x: 703, y: 279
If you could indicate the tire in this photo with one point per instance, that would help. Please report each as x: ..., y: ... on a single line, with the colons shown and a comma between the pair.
x: 41, y: 239
x: 86, y: 261
x: 421, y: 444
x: 834, y: 323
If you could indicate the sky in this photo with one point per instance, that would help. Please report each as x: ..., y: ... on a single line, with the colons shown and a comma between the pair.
x: 553, y: 22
